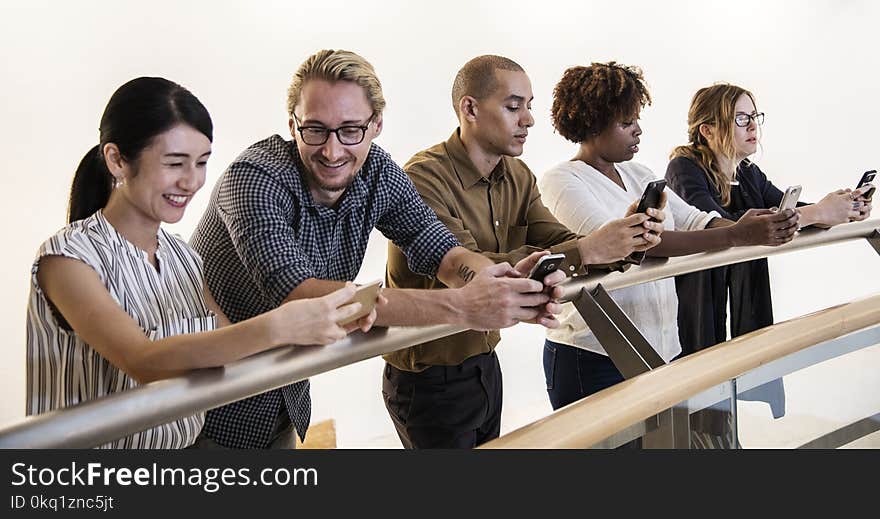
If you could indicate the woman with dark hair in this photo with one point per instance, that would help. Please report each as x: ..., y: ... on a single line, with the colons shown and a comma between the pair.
x: 713, y: 172
x: 116, y: 301
x: 598, y: 107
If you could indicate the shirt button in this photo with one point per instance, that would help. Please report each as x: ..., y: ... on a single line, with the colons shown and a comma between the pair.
x: 497, y: 223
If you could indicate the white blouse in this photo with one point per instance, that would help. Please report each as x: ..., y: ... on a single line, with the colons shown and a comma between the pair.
x: 62, y: 370
x: 584, y: 199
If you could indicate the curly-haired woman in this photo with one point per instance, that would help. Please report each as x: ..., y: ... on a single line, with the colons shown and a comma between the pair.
x: 597, y: 107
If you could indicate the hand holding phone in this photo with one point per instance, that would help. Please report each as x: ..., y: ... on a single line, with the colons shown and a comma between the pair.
x: 366, y: 295
x: 545, y: 266
x: 650, y: 198
x: 867, y: 178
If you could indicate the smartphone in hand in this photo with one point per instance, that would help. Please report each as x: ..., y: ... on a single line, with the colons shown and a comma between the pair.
x: 546, y: 265
x: 650, y: 198
x: 867, y: 178
x: 366, y: 295
x: 790, y: 198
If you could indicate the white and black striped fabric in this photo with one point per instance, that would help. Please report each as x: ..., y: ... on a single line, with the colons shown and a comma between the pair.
x: 62, y: 370
x: 263, y: 234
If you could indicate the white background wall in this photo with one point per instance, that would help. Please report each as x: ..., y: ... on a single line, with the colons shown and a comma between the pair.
x: 813, y: 66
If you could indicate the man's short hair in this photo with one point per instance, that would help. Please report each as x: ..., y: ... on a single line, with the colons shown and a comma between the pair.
x: 477, y: 77
x: 337, y: 65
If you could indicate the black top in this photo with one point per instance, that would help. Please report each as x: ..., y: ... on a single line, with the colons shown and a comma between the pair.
x: 702, y: 309
x: 691, y: 182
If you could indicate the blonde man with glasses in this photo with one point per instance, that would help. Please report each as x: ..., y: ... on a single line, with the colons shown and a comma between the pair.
x: 290, y: 219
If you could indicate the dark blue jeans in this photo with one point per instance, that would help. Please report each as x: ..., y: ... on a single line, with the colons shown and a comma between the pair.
x: 572, y: 373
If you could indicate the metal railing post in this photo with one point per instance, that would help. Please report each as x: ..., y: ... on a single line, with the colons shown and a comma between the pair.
x: 627, y: 347
x: 632, y: 355
x: 874, y: 240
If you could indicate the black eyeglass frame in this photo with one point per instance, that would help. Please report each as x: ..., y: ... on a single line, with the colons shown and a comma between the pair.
x: 327, y: 131
x: 758, y: 118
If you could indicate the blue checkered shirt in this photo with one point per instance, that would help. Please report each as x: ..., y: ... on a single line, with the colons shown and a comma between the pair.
x: 263, y: 234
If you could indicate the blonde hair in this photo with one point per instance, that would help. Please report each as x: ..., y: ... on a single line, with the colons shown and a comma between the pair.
x: 713, y: 105
x: 337, y: 65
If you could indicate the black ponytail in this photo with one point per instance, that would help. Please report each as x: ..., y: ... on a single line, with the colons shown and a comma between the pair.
x: 137, y: 112
x: 91, y: 186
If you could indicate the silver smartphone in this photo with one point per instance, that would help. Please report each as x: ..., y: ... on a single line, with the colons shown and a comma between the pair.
x: 790, y: 198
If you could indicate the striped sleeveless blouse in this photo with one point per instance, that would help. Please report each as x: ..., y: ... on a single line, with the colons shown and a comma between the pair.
x: 62, y: 370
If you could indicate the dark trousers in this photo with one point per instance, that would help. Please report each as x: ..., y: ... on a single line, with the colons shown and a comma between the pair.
x: 446, y: 407
x: 702, y: 320
x: 572, y: 374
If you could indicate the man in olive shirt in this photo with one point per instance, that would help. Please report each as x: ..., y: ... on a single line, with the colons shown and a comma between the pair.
x: 447, y: 393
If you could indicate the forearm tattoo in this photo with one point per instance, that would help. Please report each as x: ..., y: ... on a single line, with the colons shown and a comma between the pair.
x: 465, y: 273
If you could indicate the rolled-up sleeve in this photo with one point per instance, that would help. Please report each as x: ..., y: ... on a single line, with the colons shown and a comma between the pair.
x: 257, y: 211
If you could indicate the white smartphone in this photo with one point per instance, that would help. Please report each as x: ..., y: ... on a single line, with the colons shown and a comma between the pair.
x: 366, y: 295
x: 790, y: 198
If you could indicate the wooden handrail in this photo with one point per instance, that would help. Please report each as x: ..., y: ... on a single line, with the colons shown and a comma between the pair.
x: 105, y: 419
x: 598, y: 416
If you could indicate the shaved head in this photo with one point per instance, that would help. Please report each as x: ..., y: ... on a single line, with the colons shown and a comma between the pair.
x: 477, y: 77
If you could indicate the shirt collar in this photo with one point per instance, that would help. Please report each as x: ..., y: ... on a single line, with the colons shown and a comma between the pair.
x: 116, y: 237
x: 467, y: 173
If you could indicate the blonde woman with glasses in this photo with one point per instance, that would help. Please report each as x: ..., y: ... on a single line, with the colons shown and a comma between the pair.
x: 713, y: 173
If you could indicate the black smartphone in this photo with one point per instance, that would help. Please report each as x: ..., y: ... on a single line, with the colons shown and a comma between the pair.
x: 867, y: 178
x: 546, y: 265
x: 650, y: 198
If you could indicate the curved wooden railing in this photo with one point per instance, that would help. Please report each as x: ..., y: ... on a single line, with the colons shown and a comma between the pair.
x: 598, y: 416
x: 106, y: 419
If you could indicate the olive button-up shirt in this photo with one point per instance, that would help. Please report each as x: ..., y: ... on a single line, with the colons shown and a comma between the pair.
x: 500, y: 216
